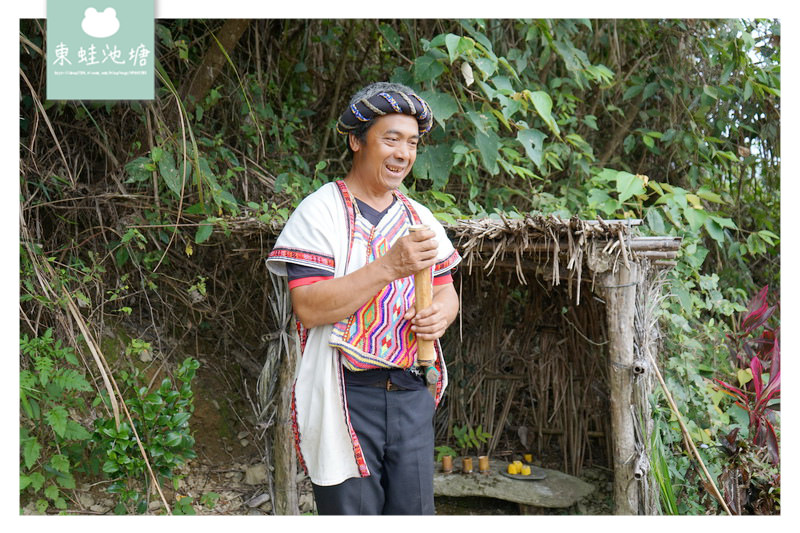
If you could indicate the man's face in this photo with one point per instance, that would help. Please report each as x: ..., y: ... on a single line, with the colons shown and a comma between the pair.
x: 389, y: 151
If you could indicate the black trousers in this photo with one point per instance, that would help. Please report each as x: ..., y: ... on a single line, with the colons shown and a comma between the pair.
x: 395, y: 430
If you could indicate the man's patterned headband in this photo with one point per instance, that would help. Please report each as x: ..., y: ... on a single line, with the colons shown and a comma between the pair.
x: 385, y: 103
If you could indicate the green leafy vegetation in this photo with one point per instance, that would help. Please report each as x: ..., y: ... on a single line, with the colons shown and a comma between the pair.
x: 53, y: 440
x: 161, y: 421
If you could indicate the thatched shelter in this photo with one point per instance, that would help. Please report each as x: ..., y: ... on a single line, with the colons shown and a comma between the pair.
x: 552, y: 349
x: 556, y: 337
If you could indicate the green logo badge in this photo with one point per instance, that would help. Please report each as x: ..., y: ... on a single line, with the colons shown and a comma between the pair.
x: 100, y: 50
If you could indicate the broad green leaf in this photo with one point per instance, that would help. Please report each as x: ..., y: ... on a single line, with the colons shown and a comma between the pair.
x: 60, y: 463
x: 744, y: 376
x: 511, y: 106
x: 458, y: 46
x: 447, y: 218
x: 390, y: 35
x: 66, y: 480
x: 696, y: 256
x: 649, y: 90
x: 204, y: 231
x: 110, y: 467
x: 487, y: 89
x: 172, y: 439
x: 480, y: 120
x: 199, y: 208
x: 139, y: 170
x: 31, y: 450
x: 711, y: 91
x: 768, y: 236
x: 434, y: 163
x: 544, y: 105
x: 695, y: 217
x: 452, y: 41
x: 628, y: 185
x: 655, y: 221
x: 503, y: 85
x: 51, y: 492
x: 607, y: 175
x: 683, y: 295
x: 75, y: 431
x: 694, y: 200
x: 442, y: 104
x: 532, y: 140
x: 705, y: 194
x: 748, y: 90
x: 482, y: 42
x: 631, y: 92
x: 178, y: 419
x: 57, y: 418
x: 488, y: 144
x: 486, y: 66
x: 427, y: 68
x: 724, y: 222
x: 600, y: 199
x: 37, y: 481
x: 714, y: 230
x: 504, y: 62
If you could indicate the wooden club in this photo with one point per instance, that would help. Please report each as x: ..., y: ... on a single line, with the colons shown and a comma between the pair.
x: 423, y: 294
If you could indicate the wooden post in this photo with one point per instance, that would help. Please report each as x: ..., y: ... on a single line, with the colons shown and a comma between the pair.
x: 620, y: 293
x: 283, y: 452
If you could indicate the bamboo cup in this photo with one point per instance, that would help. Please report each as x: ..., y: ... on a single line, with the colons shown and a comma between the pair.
x: 447, y: 464
x: 483, y: 464
x: 466, y: 465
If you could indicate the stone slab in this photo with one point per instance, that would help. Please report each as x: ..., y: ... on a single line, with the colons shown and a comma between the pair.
x: 557, y: 490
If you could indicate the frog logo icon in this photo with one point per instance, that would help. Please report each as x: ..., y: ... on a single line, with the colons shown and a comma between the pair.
x: 100, y: 25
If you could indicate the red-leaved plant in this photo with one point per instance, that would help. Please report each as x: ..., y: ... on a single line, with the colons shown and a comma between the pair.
x: 761, y: 354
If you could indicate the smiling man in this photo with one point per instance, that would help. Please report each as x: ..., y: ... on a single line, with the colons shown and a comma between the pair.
x: 363, y: 413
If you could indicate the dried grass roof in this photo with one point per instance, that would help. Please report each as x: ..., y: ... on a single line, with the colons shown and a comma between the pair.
x: 536, y: 239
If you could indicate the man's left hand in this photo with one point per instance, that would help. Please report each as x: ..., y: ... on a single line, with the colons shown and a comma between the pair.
x: 431, y: 322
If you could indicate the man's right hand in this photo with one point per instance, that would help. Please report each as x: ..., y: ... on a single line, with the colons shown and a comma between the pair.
x: 411, y: 253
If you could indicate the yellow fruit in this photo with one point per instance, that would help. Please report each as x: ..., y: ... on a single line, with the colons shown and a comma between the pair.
x: 512, y: 469
x: 526, y: 470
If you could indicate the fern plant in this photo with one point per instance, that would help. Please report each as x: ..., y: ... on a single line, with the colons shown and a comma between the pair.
x: 53, y: 442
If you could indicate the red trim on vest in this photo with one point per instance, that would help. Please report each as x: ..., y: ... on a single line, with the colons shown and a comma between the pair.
x: 443, y: 279
x: 299, y: 282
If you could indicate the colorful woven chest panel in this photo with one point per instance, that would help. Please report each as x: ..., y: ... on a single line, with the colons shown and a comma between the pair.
x: 376, y: 335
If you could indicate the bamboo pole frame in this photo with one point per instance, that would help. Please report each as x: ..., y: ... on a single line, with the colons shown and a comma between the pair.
x: 620, y: 292
x: 283, y: 449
